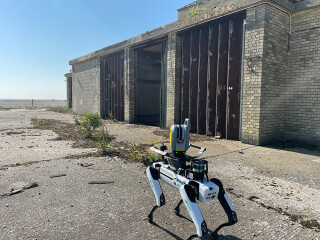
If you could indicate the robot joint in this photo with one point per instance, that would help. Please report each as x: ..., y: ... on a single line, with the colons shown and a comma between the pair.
x: 155, y: 173
x: 162, y: 200
x: 190, y: 192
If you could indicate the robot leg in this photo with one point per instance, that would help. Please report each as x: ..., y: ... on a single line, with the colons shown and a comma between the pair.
x: 227, y: 206
x: 189, y: 198
x: 177, y: 209
x: 153, y: 176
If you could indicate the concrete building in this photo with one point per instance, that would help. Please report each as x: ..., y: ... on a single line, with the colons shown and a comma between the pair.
x: 245, y: 70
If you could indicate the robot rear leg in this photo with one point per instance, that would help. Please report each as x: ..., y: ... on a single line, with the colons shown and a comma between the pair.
x: 227, y: 206
x: 153, y: 176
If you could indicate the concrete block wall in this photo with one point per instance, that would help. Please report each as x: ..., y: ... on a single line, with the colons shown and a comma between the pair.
x: 302, y: 121
x: 86, y: 86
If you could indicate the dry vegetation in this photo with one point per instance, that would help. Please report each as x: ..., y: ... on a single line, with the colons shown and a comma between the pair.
x: 74, y: 132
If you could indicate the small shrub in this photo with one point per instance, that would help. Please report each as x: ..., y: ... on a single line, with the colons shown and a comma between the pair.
x: 103, y: 139
x: 194, y: 11
x: 151, y: 158
x: 135, y: 153
x: 76, y: 121
x: 89, y: 123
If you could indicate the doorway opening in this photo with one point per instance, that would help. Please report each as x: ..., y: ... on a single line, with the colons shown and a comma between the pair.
x: 151, y: 84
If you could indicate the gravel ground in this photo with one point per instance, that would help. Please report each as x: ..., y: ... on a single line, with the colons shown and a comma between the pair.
x: 275, y: 191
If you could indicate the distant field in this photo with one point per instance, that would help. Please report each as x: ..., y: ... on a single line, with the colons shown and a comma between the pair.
x: 28, y: 103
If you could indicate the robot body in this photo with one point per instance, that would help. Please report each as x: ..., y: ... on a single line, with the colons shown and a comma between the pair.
x: 207, y: 189
x: 191, y: 180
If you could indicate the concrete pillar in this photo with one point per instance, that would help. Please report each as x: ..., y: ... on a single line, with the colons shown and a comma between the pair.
x: 173, y: 79
x: 252, y: 75
x: 129, y: 85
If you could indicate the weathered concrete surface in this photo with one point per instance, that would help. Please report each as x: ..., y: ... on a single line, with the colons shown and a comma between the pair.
x: 69, y: 208
x: 263, y: 180
x: 21, y: 118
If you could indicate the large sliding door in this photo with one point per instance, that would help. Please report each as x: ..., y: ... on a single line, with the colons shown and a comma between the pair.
x: 114, y: 87
x: 211, y: 77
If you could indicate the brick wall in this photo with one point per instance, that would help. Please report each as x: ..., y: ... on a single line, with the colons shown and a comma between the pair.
x: 173, y: 79
x: 86, y: 86
x: 273, y: 84
x: 303, y: 82
x: 264, y: 81
x: 252, y: 75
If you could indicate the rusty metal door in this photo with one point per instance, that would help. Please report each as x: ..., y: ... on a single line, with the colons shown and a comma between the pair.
x: 106, y: 88
x: 211, y: 77
x: 234, y: 80
x: 114, y: 86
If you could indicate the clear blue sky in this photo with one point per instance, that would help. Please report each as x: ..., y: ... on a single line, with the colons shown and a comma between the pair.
x: 39, y: 37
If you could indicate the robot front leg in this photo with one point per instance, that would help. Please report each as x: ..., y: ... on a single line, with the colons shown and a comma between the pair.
x: 188, y: 196
x: 153, y: 176
x: 227, y: 206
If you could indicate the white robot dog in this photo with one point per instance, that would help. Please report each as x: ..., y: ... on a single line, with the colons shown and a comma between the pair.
x: 191, y: 180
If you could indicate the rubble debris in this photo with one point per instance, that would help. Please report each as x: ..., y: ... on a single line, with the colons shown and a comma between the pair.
x: 13, y: 132
x: 86, y: 164
x: 20, y: 190
x: 100, y: 182
x: 58, y: 175
x: 31, y: 185
x: 14, y: 192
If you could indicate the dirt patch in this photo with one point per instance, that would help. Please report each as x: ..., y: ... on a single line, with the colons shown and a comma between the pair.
x: 130, y: 152
x: 67, y: 131
x: 162, y: 133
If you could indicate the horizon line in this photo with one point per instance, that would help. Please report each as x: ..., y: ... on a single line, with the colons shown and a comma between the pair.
x: 24, y: 99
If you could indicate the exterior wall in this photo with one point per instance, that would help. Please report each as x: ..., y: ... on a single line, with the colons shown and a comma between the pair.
x: 264, y: 82
x: 211, y: 8
x: 273, y: 85
x: 86, y: 86
x: 173, y: 79
x: 252, y: 75
x: 303, y: 82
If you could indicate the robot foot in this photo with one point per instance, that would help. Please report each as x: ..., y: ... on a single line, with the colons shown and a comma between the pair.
x: 150, y: 216
x: 177, y: 209
x: 206, y: 236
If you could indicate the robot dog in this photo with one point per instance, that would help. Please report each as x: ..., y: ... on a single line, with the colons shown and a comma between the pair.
x: 191, y: 180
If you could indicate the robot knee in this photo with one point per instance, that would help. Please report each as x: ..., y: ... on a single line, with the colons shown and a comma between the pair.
x: 219, y: 184
x: 154, y: 173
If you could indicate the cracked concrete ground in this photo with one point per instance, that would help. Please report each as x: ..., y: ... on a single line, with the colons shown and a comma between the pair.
x: 273, y: 190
